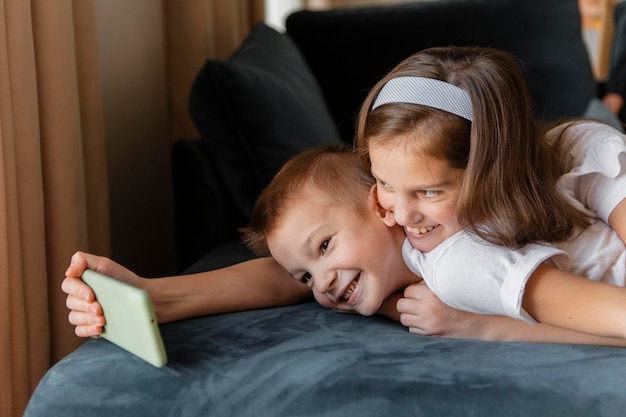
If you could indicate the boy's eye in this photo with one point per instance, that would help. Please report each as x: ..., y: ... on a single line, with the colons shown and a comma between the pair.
x: 324, y: 245
x: 306, y: 277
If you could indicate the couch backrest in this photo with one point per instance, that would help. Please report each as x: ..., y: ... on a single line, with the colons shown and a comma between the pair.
x: 348, y: 50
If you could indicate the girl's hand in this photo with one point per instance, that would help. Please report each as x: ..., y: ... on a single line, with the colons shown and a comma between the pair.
x: 85, y: 312
x: 425, y: 314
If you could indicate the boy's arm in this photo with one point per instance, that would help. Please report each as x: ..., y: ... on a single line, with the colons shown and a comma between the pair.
x: 254, y: 284
x: 569, y: 301
x: 424, y: 313
x: 257, y: 283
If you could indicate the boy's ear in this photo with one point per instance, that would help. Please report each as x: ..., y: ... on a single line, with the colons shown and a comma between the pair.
x: 385, y: 215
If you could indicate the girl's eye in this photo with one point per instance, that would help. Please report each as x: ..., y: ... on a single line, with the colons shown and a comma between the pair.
x: 383, y: 185
x: 306, y: 277
x: 430, y: 193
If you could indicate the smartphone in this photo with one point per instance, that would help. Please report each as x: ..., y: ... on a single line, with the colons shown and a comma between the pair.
x: 130, y: 320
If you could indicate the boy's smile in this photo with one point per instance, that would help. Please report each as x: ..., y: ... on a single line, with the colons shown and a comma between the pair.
x: 350, y: 261
x: 419, y: 192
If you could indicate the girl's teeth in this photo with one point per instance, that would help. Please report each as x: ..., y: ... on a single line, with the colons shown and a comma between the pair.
x: 421, y: 230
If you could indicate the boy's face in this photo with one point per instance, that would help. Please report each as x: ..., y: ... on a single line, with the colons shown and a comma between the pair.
x: 351, y: 262
x: 420, y: 193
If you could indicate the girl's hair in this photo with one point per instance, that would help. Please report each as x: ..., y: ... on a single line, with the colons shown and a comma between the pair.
x: 509, y: 194
x: 332, y: 172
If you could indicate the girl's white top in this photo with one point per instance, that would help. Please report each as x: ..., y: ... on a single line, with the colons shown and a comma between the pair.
x: 473, y: 275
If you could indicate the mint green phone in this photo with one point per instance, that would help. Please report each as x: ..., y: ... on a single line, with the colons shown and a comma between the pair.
x: 130, y: 320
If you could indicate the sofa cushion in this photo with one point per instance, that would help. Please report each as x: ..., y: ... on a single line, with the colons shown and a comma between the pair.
x: 258, y: 109
x: 305, y: 360
x: 363, y: 44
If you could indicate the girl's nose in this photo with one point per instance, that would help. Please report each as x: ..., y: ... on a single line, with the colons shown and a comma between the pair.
x: 405, y: 212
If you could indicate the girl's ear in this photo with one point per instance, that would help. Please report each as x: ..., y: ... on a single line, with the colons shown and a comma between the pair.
x: 385, y: 215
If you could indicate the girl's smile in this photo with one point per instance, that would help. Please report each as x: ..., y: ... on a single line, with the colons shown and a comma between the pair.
x: 414, y: 233
x: 418, y: 192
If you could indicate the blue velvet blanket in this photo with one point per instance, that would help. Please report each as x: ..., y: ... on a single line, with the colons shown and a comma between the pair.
x: 305, y: 360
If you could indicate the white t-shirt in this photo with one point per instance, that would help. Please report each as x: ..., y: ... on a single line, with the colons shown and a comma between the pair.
x: 472, y: 275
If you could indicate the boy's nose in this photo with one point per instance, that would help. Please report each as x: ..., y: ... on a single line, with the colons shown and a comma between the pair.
x: 325, y: 283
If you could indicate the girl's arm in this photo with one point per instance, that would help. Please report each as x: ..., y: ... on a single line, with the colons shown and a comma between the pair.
x: 569, y: 301
x: 257, y: 283
x: 424, y: 313
x: 617, y: 220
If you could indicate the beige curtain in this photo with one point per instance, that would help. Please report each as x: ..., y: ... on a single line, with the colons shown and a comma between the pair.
x: 53, y: 190
x: 196, y: 31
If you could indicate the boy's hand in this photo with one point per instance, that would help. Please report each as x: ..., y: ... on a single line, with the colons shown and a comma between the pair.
x: 85, y: 311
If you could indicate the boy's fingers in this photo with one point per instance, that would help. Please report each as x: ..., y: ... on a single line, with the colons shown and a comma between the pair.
x: 81, y: 261
x: 88, y: 331
x: 79, y: 318
x: 77, y: 288
x: 78, y: 304
x: 78, y: 264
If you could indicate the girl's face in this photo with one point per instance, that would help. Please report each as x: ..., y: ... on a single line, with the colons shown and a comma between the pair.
x: 419, y: 192
x: 351, y: 262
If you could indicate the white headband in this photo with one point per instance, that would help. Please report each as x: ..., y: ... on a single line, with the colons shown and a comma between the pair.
x: 427, y: 92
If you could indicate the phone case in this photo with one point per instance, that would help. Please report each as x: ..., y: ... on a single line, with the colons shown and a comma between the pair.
x: 130, y: 319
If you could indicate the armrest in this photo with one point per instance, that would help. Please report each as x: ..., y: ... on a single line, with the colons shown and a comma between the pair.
x: 205, y: 216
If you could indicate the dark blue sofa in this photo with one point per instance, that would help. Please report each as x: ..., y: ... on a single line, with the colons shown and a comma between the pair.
x: 307, y: 361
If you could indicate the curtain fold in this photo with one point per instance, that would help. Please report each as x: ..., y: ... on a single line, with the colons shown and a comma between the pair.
x: 53, y: 192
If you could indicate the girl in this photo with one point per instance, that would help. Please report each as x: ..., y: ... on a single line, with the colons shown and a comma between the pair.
x: 480, y: 188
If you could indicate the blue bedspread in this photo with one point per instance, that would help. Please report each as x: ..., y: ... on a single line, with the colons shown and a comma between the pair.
x: 308, y: 361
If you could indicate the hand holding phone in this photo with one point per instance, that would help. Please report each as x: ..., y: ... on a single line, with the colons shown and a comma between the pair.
x: 130, y: 319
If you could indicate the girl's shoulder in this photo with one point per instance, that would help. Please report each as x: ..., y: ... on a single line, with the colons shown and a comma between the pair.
x: 584, y: 131
x: 575, y: 139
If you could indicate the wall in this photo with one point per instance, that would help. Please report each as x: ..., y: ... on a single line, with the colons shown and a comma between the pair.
x: 276, y: 11
x: 132, y: 58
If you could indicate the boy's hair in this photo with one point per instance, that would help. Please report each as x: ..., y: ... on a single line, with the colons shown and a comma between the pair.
x: 509, y: 195
x: 332, y: 172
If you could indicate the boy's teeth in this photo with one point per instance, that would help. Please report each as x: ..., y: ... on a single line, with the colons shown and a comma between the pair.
x: 350, y: 290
